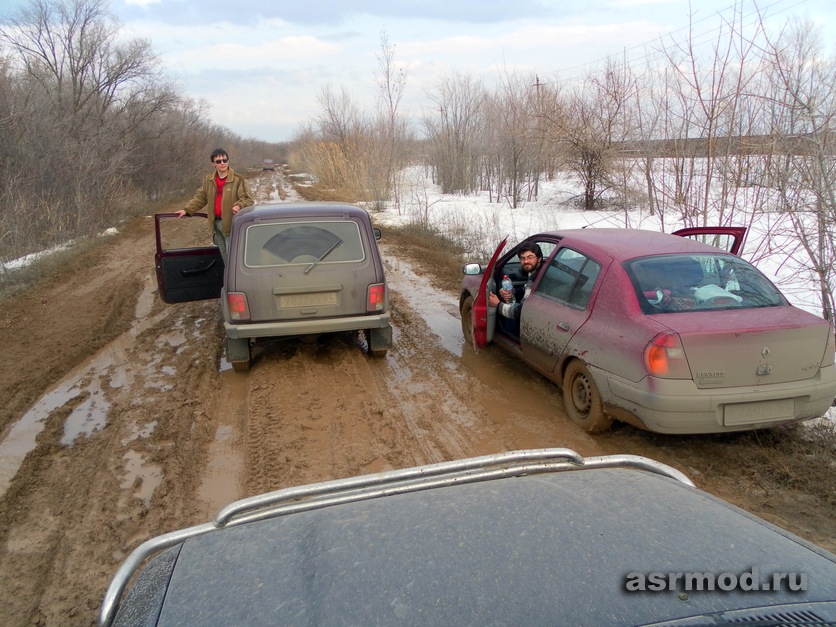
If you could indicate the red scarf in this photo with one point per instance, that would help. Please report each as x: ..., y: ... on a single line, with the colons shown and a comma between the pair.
x: 219, y: 184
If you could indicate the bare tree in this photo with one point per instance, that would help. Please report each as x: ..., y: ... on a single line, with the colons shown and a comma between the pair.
x: 512, y: 148
x: 711, y: 94
x: 342, y: 152
x: 88, y: 122
x: 802, y: 103
x: 591, y: 124
x: 72, y: 50
x: 648, y: 116
x: 392, y: 128
x: 454, y: 129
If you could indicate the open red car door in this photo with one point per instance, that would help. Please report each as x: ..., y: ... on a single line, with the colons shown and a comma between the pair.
x: 480, y: 303
x: 728, y: 238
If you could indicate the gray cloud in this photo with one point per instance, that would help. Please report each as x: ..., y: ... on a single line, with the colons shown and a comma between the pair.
x: 333, y: 11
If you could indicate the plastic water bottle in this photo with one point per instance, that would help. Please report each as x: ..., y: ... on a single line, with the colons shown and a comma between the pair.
x: 507, y: 284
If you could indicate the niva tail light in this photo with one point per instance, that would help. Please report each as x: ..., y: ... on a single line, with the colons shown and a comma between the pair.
x: 376, y: 300
x: 239, y: 310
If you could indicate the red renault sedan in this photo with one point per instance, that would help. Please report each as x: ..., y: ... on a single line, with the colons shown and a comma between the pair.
x: 666, y: 332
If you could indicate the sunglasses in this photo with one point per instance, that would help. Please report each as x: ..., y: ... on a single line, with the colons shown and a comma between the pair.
x: 221, y: 160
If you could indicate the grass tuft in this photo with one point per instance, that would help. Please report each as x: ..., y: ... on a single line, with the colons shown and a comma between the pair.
x: 800, y: 456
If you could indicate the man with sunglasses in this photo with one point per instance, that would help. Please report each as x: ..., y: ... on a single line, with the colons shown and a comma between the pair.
x: 508, y: 304
x: 223, y: 193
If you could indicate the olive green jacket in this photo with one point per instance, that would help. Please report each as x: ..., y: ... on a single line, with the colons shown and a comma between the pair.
x: 236, y: 192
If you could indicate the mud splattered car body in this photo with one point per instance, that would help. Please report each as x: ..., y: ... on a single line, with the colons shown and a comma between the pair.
x: 659, y: 330
x: 295, y: 269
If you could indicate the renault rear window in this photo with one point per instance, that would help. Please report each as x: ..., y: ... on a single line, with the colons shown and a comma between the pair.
x: 289, y: 243
x: 672, y: 283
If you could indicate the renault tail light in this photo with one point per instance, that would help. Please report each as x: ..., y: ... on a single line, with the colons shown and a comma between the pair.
x: 665, y: 357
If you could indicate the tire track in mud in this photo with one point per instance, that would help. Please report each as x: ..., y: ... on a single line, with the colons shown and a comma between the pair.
x: 326, y: 411
x: 312, y: 415
x: 436, y: 399
x: 498, y: 403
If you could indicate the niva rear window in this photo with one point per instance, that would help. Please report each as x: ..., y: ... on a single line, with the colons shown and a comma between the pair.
x: 673, y: 283
x: 302, y: 243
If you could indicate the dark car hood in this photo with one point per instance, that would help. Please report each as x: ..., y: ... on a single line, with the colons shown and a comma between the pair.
x: 542, y: 549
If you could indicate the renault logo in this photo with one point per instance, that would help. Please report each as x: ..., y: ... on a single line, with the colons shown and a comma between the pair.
x: 765, y: 352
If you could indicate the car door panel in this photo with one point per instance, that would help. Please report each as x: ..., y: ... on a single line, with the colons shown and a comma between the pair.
x: 546, y: 327
x: 483, y: 316
x: 559, y: 305
x: 186, y: 273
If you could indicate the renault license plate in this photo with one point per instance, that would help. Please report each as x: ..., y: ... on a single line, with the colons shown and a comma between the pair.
x: 761, y: 411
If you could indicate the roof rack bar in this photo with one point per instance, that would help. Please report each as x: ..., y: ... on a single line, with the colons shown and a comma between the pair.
x: 391, y: 476
x: 453, y: 478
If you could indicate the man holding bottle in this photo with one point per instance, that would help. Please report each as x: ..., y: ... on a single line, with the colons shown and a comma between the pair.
x: 509, y: 304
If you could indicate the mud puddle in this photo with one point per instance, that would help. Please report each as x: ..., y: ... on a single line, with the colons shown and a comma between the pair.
x: 85, y: 391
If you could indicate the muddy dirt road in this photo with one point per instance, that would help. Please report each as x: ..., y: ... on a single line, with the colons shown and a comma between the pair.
x: 121, y: 420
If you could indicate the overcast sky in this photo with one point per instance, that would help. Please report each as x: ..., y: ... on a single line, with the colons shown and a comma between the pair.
x: 260, y: 64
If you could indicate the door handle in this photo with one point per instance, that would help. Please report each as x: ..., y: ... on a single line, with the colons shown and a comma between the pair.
x: 563, y: 326
x: 196, y: 271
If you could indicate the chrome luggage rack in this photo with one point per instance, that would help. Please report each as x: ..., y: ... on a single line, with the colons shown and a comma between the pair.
x: 335, y: 492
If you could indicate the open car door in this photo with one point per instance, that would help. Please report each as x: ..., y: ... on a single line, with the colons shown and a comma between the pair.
x: 482, y: 331
x: 185, y: 269
x: 727, y: 238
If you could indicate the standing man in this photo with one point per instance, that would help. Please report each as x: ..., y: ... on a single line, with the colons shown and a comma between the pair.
x: 223, y: 193
x: 531, y: 257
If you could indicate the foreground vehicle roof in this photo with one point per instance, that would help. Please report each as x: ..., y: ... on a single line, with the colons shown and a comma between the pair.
x: 528, y: 537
